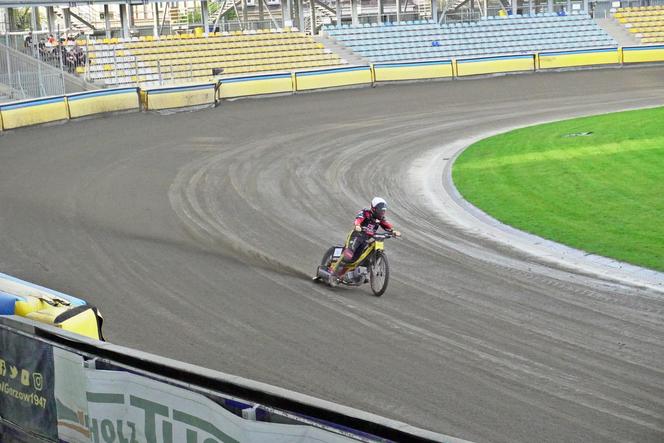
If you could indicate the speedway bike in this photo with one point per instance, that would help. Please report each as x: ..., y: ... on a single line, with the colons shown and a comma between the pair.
x: 371, y: 266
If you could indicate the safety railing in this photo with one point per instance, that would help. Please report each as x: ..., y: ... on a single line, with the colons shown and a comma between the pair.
x: 22, y: 77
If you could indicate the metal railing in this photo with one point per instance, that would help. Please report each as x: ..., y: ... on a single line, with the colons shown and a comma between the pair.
x: 22, y: 77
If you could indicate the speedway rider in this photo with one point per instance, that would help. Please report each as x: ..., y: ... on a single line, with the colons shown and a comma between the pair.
x: 367, y: 221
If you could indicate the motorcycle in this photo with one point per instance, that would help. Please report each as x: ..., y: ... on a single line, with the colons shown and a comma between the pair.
x: 370, y: 267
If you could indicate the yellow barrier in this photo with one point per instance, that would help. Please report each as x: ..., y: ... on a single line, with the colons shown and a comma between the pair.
x: 642, y: 54
x: 568, y: 59
x: 495, y: 65
x: 97, y: 102
x: 82, y: 320
x: 255, y: 85
x: 28, y: 304
x: 33, y: 112
x: 179, y: 96
x: 330, y: 78
x: 384, y: 72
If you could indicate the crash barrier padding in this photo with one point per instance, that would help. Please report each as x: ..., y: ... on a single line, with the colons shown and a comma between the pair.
x: 495, y: 65
x: 97, y: 102
x: 18, y: 297
x: 642, y: 54
x: 83, y: 320
x: 13, y: 285
x: 179, y: 96
x: 246, y: 86
x: 568, y: 59
x: 330, y: 78
x: 384, y: 72
x: 34, y: 112
x: 8, y: 303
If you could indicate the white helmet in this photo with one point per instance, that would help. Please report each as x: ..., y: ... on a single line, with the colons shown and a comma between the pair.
x: 379, y: 207
x: 377, y: 200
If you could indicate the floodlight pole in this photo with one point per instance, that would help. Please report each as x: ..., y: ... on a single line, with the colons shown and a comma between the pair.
x: 107, y: 21
x: 155, y: 24
x: 205, y: 16
x: 353, y: 12
x: 338, y: 12
x: 124, y: 21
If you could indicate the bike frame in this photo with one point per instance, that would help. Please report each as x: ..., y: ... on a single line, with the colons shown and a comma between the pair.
x: 374, y: 245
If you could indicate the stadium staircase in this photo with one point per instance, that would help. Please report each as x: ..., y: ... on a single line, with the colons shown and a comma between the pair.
x: 186, y: 58
x: 618, y: 32
x: 324, y: 14
x: 225, y: 6
x: 646, y: 23
x: 347, y: 55
x: 494, y: 36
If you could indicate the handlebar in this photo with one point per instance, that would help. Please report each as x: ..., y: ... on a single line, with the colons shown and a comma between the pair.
x: 381, y: 236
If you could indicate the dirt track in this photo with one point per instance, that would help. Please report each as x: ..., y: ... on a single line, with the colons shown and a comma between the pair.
x: 196, y: 235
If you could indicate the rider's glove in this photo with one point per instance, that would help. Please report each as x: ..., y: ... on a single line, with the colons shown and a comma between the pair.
x: 358, y: 228
x: 396, y: 233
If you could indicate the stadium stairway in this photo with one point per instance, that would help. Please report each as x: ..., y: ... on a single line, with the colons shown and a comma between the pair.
x: 618, y: 32
x: 344, y: 52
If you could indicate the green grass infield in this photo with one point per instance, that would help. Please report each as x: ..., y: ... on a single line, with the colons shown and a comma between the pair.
x: 595, y: 183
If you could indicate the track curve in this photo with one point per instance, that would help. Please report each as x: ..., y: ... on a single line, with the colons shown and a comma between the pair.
x: 196, y: 234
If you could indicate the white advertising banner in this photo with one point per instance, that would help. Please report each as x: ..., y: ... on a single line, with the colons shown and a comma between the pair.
x: 96, y: 406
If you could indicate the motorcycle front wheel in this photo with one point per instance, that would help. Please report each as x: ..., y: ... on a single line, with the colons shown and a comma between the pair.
x: 379, y: 274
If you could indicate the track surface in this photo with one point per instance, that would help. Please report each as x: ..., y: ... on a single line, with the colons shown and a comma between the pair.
x: 196, y: 234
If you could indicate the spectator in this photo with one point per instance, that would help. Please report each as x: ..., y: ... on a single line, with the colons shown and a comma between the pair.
x: 27, y: 43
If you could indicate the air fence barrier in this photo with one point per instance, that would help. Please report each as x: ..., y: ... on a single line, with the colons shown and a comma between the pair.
x: 643, y: 54
x: 106, y: 100
x: 421, y: 70
x: 33, y: 112
x: 495, y: 65
x: 56, y: 386
x: 184, y: 96
x: 18, y: 297
x: 49, y: 109
x: 247, y: 86
x: 579, y: 58
x: 333, y: 78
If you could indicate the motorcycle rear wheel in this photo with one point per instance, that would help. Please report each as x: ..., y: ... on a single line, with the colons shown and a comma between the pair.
x: 327, y: 258
x: 379, y: 274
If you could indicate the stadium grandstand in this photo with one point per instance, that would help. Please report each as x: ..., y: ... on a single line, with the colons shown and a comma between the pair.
x: 493, y: 36
x: 98, y: 44
x: 645, y: 22
x: 148, y: 61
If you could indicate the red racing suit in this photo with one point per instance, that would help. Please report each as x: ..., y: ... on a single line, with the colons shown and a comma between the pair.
x: 366, y: 219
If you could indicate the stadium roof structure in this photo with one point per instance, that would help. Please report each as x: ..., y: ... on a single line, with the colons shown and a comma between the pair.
x: 31, y: 3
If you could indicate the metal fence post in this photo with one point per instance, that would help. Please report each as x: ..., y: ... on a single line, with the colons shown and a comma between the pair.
x: 9, y: 65
x: 115, y: 63
x: 161, y: 80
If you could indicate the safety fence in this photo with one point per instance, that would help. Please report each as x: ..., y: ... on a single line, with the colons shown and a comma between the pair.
x: 22, y: 77
x: 56, y: 386
x: 64, y: 107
